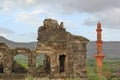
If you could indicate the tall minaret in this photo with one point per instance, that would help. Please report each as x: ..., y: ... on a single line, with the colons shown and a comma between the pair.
x: 99, y: 56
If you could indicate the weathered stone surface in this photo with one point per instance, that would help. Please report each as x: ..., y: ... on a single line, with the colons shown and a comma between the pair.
x: 53, y: 37
x: 65, y: 54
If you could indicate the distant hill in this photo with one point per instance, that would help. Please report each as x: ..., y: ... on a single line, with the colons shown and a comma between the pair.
x: 11, y: 44
x: 110, y: 48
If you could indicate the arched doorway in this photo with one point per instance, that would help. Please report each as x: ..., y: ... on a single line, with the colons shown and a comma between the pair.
x: 20, y: 64
x: 62, y: 63
x: 43, y: 64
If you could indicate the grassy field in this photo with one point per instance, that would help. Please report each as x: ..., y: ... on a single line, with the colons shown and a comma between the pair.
x: 110, y: 69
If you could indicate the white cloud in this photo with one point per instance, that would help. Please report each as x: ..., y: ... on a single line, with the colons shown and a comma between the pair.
x: 3, y: 34
x: 30, y: 1
x: 64, y: 5
x: 54, y: 7
x: 109, y: 18
x: 28, y: 18
x: 107, y: 11
x: 34, y: 17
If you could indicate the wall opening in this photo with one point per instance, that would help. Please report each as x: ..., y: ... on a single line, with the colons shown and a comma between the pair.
x: 1, y: 63
x: 20, y: 64
x: 43, y: 64
x: 40, y: 60
x: 1, y: 68
x: 62, y: 63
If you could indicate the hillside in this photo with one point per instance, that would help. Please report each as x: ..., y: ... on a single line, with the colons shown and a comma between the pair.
x: 110, y: 48
x: 11, y: 44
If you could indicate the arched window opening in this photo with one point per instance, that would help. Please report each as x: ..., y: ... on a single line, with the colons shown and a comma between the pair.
x: 20, y: 64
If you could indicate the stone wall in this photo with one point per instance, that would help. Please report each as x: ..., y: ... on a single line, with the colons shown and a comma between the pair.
x: 53, y: 37
x: 65, y: 54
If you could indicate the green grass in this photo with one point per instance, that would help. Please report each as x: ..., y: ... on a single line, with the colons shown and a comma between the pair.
x: 39, y: 60
x: 23, y: 60
x: 23, y: 63
x: 110, y: 66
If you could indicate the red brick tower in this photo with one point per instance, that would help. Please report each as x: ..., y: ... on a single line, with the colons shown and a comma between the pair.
x: 99, y: 56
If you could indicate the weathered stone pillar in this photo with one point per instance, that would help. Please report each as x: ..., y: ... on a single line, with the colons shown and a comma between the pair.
x: 33, y: 63
x: 53, y: 65
x: 8, y: 63
x: 6, y: 60
x: 30, y: 63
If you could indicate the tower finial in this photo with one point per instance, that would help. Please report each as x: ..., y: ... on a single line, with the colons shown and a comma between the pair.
x: 99, y: 25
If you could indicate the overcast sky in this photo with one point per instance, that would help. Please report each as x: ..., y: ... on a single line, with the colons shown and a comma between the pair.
x: 20, y: 19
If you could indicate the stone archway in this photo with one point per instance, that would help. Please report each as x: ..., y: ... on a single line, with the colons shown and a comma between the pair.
x: 20, y: 64
x: 21, y: 60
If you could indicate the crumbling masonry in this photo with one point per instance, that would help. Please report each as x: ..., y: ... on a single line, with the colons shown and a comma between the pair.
x: 65, y: 54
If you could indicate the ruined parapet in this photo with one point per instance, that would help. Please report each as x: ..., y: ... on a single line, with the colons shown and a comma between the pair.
x: 52, y: 32
x: 50, y: 24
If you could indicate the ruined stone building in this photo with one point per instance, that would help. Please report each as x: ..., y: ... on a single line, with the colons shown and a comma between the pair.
x: 64, y: 54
